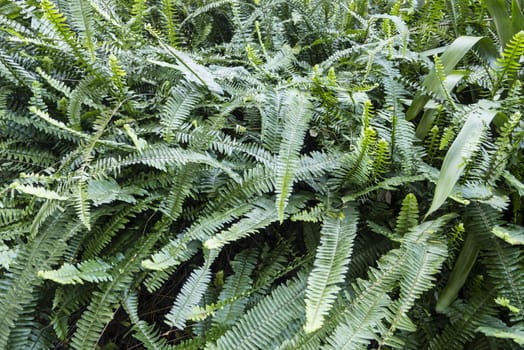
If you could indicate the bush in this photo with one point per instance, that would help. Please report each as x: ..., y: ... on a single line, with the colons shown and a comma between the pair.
x: 261, y: 174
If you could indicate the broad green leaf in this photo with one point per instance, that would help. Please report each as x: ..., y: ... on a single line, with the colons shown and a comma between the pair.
x: 460, y: 152
x: 449, y: 59
x: 501, y: 18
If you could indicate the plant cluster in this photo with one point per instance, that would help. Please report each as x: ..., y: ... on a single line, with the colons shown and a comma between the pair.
x: 266, y: 174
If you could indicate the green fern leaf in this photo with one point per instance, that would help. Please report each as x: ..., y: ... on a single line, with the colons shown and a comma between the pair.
x: 89, y: 270
x: 260, y: 217
x: 104, y: 302
x: 144, y: 332
x: 267, y: 323
x: 81, y: 16
x: 297, y: 115
x: 39, y: 192
x: 330, y: 266
x: 408, y: 216
x: 236, y: 284
x: 189, y: 296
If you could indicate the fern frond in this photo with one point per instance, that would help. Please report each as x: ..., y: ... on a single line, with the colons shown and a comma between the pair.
x: 39, y: 192
x: 41, y: 252
x: 81, y: 16
x: 268, y: 323
x: 190, y: 295
x: 363, y: 316
x: 330, y: 266
x: 89, y: 270
x: 408, y: 216
x: 59, y: 22
x: 465, y: 318
x: 144, y: 332
x: 81, y: 203
x: 261, y: 216
x: 508, y: 63
x: 234, y: 286
x: 178, y: 107
x: 428, y: 261
x: 298, y: 113
x: 161, y: 157
x: 105, y: 300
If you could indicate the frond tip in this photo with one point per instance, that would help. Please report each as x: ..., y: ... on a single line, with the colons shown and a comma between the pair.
x: 90, y: 271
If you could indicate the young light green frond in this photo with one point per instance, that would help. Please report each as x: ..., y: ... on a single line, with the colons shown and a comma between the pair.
x: 171, y: 22
x: 296, y: 117
x: 189, y: 296
x: 268, y: 323
x: 59, y: 22
x: 89, y: 271
x: 330, y: 266
x: 408, y: 216
x: 508, y: 63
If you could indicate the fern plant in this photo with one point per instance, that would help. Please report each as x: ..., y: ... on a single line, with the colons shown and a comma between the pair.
x: 261, y: 174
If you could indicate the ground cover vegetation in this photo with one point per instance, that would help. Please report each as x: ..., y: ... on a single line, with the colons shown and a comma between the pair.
x: 265, y: 174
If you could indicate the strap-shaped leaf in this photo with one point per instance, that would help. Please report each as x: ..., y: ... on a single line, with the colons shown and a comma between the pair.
x: 461, y: 151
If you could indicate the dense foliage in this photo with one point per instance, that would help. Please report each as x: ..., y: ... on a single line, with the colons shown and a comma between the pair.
x: 266, y: 174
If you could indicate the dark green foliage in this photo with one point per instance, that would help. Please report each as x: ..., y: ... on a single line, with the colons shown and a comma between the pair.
x: 261, y: 174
